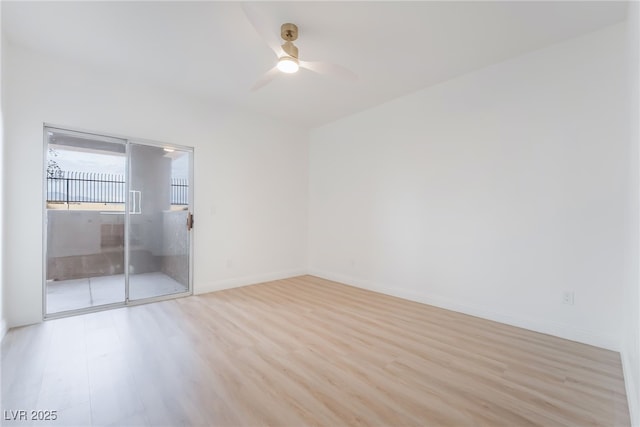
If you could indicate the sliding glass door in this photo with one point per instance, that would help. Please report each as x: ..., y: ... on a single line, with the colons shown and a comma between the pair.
x: 159, y: 221
x: 85, y: 221
x: 117, y: 221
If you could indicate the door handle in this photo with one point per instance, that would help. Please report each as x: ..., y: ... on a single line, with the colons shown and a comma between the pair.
x: 135, y: 202
x: 189, y: 221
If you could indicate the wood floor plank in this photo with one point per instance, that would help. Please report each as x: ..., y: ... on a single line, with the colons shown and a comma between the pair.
x: 305, y: 351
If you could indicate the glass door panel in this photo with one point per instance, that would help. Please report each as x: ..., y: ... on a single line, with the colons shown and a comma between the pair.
x: 85, y: 221
x: 159, y: 214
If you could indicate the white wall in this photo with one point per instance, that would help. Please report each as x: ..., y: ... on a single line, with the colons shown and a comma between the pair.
x: 630, y: 351
x: 489, y: 194
x: 250, y: 173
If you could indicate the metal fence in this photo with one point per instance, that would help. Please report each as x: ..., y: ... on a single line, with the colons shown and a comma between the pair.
x: 179, y: 191
x: 91, y: 187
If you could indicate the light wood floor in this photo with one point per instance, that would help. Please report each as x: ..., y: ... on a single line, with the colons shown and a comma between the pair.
x: 305, y: 351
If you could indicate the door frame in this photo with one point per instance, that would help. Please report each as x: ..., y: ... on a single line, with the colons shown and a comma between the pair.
x: 127, y: 141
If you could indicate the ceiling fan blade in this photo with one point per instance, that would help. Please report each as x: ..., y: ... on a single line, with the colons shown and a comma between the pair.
x: 266, y: 79
x: 262, y: 27
x: 329, y: 69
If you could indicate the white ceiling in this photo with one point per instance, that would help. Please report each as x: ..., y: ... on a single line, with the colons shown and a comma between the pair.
x: 209, y: 49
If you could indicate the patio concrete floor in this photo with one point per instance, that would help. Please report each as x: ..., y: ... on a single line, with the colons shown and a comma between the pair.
x: 64, y: 295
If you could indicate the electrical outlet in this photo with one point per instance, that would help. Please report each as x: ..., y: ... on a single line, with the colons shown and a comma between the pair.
x: 567, y: 297
x: 229, y: 263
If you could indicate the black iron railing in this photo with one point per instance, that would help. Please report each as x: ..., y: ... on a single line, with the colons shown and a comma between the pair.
x: 91, y: 187
x: 179, y: 191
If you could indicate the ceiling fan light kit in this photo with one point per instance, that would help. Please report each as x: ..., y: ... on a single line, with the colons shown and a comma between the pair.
x: 288, y: 64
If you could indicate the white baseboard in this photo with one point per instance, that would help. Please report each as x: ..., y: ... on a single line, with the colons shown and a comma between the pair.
x: 631, y: 386
x: 543, y: 326
x: 236, y: 282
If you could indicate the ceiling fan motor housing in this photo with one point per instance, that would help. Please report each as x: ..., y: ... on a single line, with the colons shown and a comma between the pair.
x: 289, y: 33
x: 290, y: 49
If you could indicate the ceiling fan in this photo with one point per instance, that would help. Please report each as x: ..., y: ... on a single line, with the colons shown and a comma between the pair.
x: 287, y: 53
